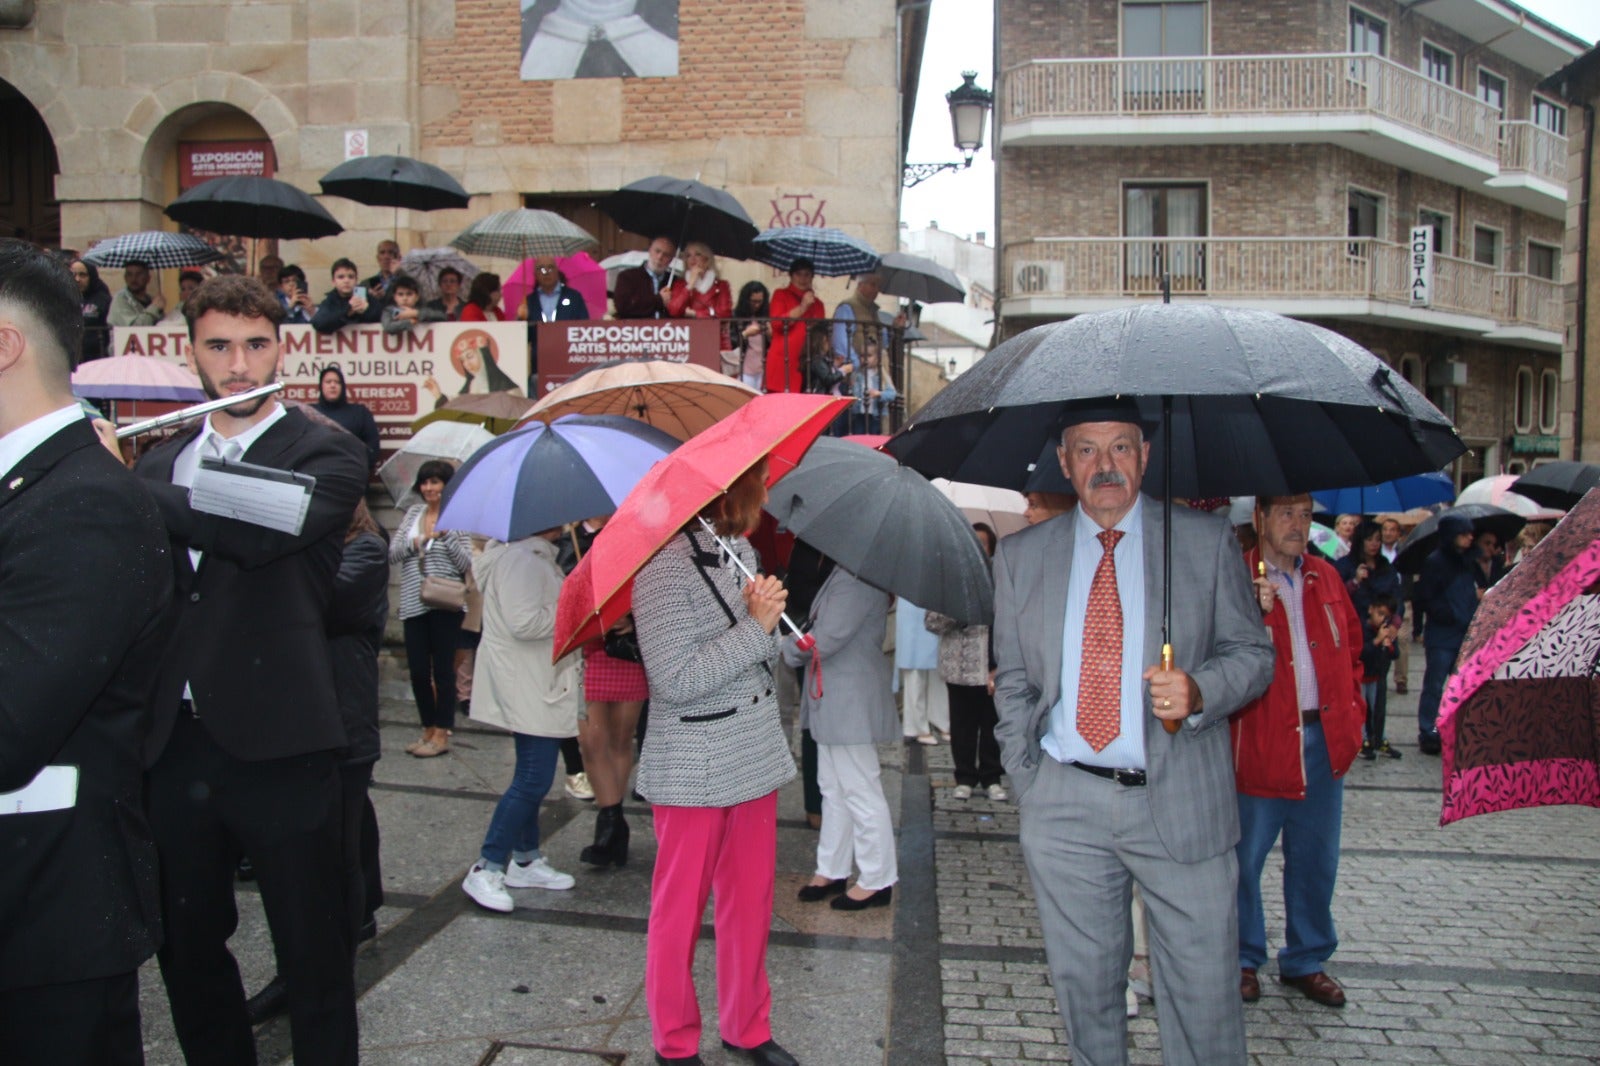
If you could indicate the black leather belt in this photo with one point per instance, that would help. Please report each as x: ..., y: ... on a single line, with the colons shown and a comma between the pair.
x: 1311, y: 717
x: 1131, y: 778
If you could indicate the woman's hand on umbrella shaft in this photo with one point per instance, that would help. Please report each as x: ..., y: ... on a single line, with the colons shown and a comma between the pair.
x: 764, y: 598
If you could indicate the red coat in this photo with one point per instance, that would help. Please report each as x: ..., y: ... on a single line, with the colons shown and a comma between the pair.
x: 1267, y: 757
x: 716, y: 302
x: 786, y: 357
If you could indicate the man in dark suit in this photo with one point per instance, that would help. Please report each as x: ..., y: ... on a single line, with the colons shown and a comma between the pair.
x: 1109, y: 797
x: 641, y: 291
x: 246, y: 718
x: 85, y: 584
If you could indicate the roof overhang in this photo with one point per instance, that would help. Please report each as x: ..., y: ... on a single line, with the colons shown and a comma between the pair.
x: 1507, y: 30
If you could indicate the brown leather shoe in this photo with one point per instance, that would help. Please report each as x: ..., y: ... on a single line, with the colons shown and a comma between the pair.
x: 1317, y: 987
x: 1249, y: 985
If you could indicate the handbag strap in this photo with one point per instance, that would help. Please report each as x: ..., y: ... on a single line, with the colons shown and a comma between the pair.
x: 702, y: 561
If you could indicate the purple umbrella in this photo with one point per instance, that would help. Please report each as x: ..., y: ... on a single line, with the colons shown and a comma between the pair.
x: 136, y: 377
x: 546, y: 476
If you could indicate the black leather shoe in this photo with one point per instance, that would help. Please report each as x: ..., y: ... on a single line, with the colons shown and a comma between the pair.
x: 879, y: 898
x: 686, y: 1060
x: 1428, y: 743
x: 368, y: 931
x: 768, y: 1054
x: 818, y: 893
x: 610, y: 847
x: 245, y: 871
x: 268, y: 1003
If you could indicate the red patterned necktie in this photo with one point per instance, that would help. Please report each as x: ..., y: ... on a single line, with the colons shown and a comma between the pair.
x: 1100, y: 673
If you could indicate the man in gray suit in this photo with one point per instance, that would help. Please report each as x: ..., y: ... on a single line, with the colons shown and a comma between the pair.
x: 1108, y: 796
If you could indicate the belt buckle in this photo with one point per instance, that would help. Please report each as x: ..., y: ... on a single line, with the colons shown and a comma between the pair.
x: 1128, y: 778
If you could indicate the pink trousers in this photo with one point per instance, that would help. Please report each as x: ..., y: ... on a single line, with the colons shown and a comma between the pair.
x: 733, y: 852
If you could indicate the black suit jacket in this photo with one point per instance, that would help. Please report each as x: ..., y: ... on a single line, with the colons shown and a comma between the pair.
x: 249, y: 636
x: 85, y: 584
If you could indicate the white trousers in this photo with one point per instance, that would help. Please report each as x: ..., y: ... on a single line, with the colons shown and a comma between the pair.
x: 925, y: 702
x: 855, y: 817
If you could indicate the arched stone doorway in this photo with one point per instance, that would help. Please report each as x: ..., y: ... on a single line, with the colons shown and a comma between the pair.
x: 208, y: 140
x: 28, y: 169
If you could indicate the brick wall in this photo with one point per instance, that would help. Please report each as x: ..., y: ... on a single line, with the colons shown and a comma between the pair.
x: 741, y: 67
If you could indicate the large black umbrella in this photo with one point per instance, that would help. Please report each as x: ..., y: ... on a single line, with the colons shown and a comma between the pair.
x: 684, y: 209
x: 1242, y: 401
x: 394, y: 181
x: 253, y: 207
x: 1485, y: 518
x: 888, y: 526
x: 1560, y: 484
x: 921, y: 279
x: 159, y: 249
x: 1259, y: 403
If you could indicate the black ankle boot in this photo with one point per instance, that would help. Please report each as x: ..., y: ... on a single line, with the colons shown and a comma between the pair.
x: 610, y: 845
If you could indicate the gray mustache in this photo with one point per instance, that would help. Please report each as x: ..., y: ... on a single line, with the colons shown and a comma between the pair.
x: 1107, y: 477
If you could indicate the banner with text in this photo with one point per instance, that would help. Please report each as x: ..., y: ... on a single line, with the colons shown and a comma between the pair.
x: 569, y: 348
x: 399, y: 376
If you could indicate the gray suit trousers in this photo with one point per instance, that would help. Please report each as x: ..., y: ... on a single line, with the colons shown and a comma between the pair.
x: 1086, y: 840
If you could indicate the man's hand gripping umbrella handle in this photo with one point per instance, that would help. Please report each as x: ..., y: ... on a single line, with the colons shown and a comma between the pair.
x: 1168, y: 724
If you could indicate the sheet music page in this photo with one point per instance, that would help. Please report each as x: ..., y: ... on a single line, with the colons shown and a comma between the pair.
x: 247, y: 492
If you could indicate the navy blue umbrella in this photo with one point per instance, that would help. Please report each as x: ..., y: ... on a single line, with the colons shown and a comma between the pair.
x: 546, y: 476
x: 833, y: 252
x: 1401, y: 494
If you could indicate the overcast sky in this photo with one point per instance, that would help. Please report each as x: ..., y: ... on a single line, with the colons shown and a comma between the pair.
x: 960, y: 37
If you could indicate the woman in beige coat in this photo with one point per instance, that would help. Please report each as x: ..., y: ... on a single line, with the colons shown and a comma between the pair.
x: 515, y: 686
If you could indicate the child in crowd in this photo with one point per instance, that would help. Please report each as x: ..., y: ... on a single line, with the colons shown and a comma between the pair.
x: 405, y: 309
x: 1378, y: 651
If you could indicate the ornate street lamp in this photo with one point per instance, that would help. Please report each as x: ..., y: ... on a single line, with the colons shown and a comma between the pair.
x: 969, y: 112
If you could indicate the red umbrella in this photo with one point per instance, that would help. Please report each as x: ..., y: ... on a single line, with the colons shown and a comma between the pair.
x: 778, y: 427
x: 1520, y: 718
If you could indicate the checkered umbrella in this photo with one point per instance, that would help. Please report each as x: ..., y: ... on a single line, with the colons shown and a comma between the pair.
x: 425, y: 265
x: 523, y: 234
x: 162, y: 250
x: 832, y: 252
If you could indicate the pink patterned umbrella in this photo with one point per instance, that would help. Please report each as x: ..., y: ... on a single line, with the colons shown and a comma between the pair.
x: 1520, y: 719
x: 136, y: 377
x: 582, y: 273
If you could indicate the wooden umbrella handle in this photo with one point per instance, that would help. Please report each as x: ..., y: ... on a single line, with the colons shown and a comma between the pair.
x: 1169, y: 724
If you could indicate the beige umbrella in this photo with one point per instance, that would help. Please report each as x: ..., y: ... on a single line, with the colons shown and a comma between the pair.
x: 1002, y: 510
x: 678, y: 398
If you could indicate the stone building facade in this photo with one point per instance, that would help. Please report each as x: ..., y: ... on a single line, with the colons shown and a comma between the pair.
x: 795, y: 107
x: 1279, y: 153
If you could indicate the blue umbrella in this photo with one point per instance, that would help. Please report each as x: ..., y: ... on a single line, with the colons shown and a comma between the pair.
x: 546, y: 476
x: 833, y: 252
x: 1401, y: 494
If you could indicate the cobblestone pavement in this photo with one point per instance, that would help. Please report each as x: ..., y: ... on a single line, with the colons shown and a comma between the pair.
x: 1478, y: 943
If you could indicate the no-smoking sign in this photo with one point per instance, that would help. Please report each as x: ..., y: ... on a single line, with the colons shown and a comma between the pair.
x: 355, y: 144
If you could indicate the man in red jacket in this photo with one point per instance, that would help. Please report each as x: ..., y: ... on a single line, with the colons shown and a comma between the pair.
x: 1291, y: 748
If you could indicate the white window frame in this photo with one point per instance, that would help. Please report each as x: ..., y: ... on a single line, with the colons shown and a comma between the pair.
x: 1382, y: 225
x: 1357, y: 8
x: 1422, y: 63
x: 1500, y: 246
x: 1549, y: 385
x: 1447, y: 245
x: 1559, y: 107
x: 1527, y: 259
x: 1521, y: 423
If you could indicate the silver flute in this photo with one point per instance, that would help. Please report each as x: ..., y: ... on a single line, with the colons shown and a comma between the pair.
x: 199, y: 410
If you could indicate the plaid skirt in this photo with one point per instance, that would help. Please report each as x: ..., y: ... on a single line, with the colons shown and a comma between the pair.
x: 608, y: 680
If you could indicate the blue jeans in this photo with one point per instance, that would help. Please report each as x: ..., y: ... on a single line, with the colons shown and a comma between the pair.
x: 514, y: 829
x: 1439, y: 662
x: 1310, y: 829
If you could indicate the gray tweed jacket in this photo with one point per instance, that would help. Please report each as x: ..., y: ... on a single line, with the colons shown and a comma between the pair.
x: 715, y: 738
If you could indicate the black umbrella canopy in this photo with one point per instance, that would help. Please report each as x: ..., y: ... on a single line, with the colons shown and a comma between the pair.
x: 685, y: 210
x: 394, y: 181
x: 888, y: 526
x: 253, y: 207
x: 919, y: 278
x: 1260, y: 403
x: 1560, y: 484
x: 1485, y: 518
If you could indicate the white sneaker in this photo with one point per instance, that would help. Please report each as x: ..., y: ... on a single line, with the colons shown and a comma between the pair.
x: 997, y: 793
x: 578, y: 788
x: 537, y: 874
x: 488, y: 889
x: 1133, y: 1003
x: 962, y: 792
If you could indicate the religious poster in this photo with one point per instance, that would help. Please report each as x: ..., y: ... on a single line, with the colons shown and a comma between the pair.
x: 399, y: 376
x: 201, y: 161
x: 599, y: 39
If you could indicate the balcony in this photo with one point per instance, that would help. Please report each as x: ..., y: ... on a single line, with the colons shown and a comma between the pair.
x: 1361, y: 102
x: 1307, y: 277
